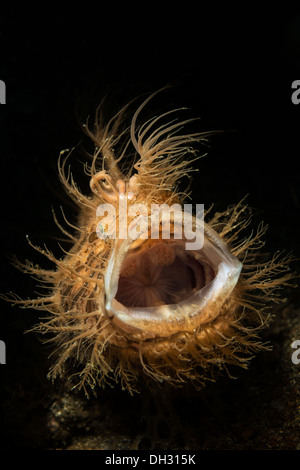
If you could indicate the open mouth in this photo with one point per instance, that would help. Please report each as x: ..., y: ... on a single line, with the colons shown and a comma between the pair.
x: 152, y: 281
x: 161, y: 272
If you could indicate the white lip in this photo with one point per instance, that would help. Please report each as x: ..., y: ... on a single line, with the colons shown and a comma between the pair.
x: 190, y: 312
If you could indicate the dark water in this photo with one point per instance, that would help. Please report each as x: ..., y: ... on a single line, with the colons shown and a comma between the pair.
x: 234, y: 74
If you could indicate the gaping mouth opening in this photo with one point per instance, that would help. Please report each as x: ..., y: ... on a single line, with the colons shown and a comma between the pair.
x: 149, y: 281
x: 161, y: 272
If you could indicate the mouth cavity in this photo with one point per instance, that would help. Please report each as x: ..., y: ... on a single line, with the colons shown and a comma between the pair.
x: 152, y: 281
x: 161, y: 273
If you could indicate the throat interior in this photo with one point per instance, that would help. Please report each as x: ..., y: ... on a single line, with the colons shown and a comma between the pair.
x: 160, y: 273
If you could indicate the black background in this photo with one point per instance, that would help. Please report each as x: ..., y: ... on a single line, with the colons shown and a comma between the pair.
x: 233, y: 69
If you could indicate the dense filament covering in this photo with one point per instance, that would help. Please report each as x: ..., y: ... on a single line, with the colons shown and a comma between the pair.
x: 120, y: 309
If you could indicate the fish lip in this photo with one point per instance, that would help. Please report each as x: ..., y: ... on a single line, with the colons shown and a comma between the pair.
x: 200, y: 308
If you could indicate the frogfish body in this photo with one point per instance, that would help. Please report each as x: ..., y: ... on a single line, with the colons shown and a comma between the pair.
x: 138, y: 294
